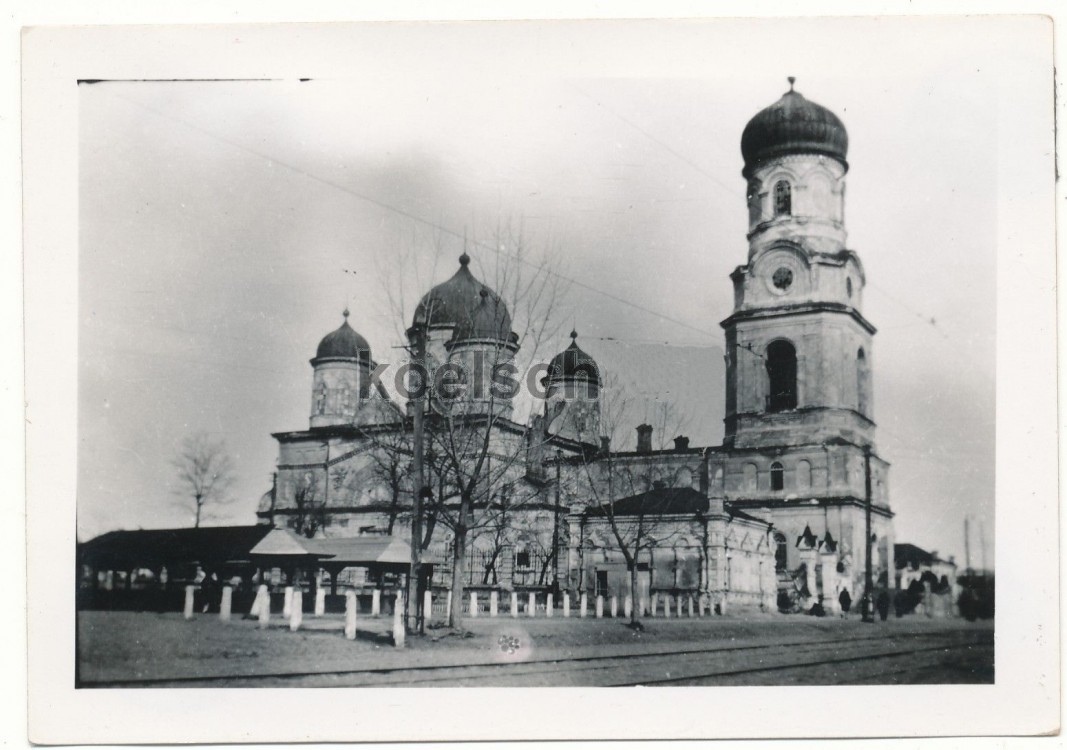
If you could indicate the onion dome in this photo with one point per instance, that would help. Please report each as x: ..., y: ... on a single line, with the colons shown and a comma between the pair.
x: 793, y: 125
x: 451, y: 301
x: 344, y: 343
x: 572, y: 362
x: 488, y: 321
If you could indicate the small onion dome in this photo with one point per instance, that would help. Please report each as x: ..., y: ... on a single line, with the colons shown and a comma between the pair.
x: 344, y: 343
x: 793, y: 125
x: 572, y: 362
x: 488, y: 321
x: 451, y: 301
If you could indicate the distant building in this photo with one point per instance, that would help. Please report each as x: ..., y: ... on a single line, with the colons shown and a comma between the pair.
x: 914, y: 563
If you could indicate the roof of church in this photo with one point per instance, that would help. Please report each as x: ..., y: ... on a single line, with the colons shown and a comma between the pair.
x: 344, y: 343
x: 454, y: 300
x: 793, y: 125
x: 572, y: 362
x: 657, y: 501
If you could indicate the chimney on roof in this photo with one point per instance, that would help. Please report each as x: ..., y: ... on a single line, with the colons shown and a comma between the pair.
x: 644, y: 438
x: 605, y: 444
x: 681, y: 443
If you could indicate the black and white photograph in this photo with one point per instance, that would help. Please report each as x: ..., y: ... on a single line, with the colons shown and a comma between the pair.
x: 559, y: 354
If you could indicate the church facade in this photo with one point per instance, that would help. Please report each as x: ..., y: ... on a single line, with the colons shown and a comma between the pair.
x: 778, y: 510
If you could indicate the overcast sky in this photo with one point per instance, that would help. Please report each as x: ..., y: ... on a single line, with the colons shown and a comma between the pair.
x: 225, y: 225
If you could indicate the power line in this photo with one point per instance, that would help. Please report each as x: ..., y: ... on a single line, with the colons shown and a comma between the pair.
x: 409, y: 215
x: 763, y: 216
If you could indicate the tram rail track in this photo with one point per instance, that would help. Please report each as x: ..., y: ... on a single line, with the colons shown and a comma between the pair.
x: 436, y: 673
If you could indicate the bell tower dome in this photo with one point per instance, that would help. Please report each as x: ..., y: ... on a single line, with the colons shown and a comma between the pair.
x: 798, y: 347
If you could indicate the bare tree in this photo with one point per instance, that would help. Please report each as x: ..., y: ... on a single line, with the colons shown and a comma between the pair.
x: 605, y: 481
x: 205, y: 472
x: 309, y: 512
x: 475, y: 438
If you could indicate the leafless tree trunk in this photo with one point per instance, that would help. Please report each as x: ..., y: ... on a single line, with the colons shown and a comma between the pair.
x: 205, y: 473
x: 474, y: 437
x: 636, y: 533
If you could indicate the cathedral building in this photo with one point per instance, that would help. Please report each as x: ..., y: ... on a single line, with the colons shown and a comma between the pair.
x: 775, y: 514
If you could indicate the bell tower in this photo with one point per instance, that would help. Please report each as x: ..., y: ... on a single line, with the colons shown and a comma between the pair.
x: 798, y: 347
x: 799, y: 424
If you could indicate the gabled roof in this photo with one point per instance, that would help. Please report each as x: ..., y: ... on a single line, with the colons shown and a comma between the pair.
x: 909, y: 555
x: 658, y: 501
x: 807, y: 539
x: 147, y: 548
x: 362, y: 550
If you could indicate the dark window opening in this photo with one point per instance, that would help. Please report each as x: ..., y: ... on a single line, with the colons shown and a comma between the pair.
x: 782, y: 376
x: 783, y: 198
x: 601, y: 583
x: 862, y: 382
x: 522, y: 559
x: 777, y: 476
x: 780, y: 559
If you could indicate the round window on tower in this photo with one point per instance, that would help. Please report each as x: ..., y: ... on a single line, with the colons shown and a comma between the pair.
x: 782, y: 278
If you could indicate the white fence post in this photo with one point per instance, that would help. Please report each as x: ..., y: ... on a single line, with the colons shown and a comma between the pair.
x: 583, y: 604
x: 351, y: 607
x: 599, y: 605
x: 493, y: 599
x: 548, y: 606
x: 567, y: 604
x: 427, y: 606
x: 627, y: 606
x: 514, y: 604
x: 296, y: 610
x: 190, y: 593
x: 263, y: 604
x: 531, y: 605
x: 226, y: 604
x: 376, y: 603
x: 474, y: 604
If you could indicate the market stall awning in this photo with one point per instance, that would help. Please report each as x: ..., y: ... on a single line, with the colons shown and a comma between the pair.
x: 365, y: 551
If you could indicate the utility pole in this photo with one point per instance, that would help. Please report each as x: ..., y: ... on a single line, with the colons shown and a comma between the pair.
x: 417, y: 336
x: 868, y: 583
x: 967, y: 544
x: 555, y: 529
x: 981, y: 540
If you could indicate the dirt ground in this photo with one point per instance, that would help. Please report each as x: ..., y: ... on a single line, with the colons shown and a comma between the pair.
x: 145, y: 647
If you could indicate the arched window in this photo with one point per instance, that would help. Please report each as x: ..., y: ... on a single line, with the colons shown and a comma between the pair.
x: 862, y: 382
x: 750, y: 477
x: 780, y: 550
x: 783, y: 198
x: 782, y: 376
x: 803, y: 474
x: 848, y: 286
x: 777, y: 476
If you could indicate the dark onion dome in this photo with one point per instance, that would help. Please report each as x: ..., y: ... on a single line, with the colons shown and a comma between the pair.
x: 572, y: 362
x: 450, y: 301
x: 488, y: 321
x: 344, y: 343
x: 793, y: 125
